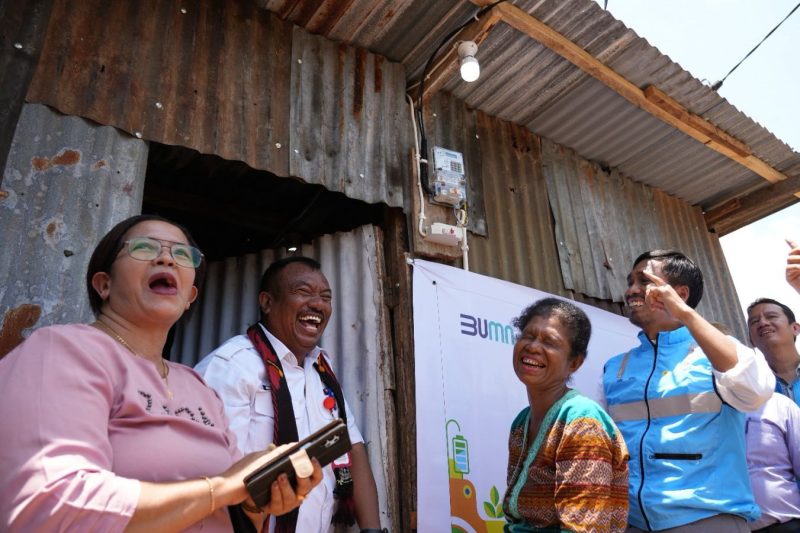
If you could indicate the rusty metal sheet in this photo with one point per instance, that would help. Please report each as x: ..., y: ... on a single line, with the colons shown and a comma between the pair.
x: 22, y: 31
x: 213, y: 76
x: 66, y: 183
x: 520, y: 245
x: 525, y: 83
x: 350, y: 127
x: 604, y: 221
x: 450, y: 124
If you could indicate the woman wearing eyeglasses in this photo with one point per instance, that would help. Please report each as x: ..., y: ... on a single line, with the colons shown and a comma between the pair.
x: 100, y: 433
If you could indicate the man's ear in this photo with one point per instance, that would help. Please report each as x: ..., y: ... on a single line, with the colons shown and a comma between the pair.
x: 795, y: 328
x: 683, y: 291
x: 101, y: 283
x: 265, y: 302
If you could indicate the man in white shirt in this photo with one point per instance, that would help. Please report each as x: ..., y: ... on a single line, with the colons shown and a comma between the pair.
x: 277, y: 386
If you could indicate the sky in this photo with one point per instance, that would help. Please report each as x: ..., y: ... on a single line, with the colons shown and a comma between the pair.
x: 707, y: 38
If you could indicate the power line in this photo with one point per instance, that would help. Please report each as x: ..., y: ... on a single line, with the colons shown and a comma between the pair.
x: 717, y: 85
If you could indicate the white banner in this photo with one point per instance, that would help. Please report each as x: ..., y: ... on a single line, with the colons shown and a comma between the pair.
x: 467, y: 394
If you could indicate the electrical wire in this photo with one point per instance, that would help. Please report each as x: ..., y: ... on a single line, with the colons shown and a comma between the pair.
x: 421, y: 215
x: 423, y: 148
x: 717, y: 85
x: 482, y: 11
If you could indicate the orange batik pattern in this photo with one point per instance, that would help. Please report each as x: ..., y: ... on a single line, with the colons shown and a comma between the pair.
x: 572, y: 476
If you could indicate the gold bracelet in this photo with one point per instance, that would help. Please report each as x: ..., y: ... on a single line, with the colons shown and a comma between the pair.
x: 211, y: 494
x: 251, y: 508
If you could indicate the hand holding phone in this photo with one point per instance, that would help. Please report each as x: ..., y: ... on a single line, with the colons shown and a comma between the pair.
x: 326, y: 444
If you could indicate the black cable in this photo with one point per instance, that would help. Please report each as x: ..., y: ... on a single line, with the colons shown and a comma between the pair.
x: 717, y: 85
x: 482, y: 11
x: 423, y: 139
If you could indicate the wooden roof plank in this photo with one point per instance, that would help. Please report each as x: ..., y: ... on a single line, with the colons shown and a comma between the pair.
x: 658, y: 104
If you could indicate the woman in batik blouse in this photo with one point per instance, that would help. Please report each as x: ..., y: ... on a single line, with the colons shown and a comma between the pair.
x: 567, y: 464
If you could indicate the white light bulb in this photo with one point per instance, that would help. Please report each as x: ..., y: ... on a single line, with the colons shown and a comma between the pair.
x: 470, y: 69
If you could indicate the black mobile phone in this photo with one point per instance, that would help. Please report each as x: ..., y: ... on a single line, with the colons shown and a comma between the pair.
x: 326, y: 444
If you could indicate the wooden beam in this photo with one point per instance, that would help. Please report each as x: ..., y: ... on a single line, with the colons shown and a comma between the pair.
x: 739, y: 212
x: 658, y: 104
x: 448, y: 64
x: 714, y: 134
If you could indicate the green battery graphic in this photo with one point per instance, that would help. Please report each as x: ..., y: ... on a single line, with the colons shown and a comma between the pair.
x: 461, y: 454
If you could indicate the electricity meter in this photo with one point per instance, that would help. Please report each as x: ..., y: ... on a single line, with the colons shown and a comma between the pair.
x: 449, y: 183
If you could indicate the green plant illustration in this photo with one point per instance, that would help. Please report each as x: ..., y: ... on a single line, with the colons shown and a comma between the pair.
x: 493, y: 508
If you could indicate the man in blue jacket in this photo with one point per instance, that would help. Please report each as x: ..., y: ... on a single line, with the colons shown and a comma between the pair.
x: 678, y: 398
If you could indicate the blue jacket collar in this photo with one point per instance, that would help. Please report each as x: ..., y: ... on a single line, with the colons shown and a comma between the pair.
x: 676, y: 336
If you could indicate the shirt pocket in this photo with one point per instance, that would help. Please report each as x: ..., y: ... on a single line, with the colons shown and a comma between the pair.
x: 262, y: 405
x: 761, y: 437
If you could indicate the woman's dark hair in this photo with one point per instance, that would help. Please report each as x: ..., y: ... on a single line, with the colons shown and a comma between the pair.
x: 572, y: 318
x: 679, y: 270
x: 109, y: 246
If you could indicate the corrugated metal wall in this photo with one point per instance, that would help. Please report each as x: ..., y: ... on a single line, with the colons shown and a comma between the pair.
x: 350, y: 129
x: 22, y: 31
x: 225, y: 77
x: 357, y: 334
x: 213, y: 76
x: 450, y: 124
x: 603, y: 222
x: 66, y: 183
x: 520, y: 246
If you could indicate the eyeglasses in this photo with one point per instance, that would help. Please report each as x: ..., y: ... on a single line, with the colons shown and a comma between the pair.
x: 147, y: 249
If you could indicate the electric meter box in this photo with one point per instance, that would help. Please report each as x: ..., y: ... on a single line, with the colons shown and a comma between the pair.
x: 449, y: 184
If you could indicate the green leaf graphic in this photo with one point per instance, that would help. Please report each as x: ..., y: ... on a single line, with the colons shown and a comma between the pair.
x: 494, y: 496
x: 489, y: 508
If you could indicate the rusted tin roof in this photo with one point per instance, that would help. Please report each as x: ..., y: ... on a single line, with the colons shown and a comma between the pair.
x: 230, y: 79
x: 524, y: 82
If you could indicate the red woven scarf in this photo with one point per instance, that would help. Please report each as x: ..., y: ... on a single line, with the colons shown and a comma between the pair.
x: 285, y: 428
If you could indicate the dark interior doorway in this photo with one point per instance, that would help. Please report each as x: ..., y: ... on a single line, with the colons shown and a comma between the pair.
x: 232, y: 209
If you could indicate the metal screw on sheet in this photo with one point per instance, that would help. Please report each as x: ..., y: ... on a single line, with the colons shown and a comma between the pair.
x: 277, y: 145
x: 159, y: 105
x: 477, y: 136
x: 138, y: 134
x: 296, y: 151
x: 18, y: 46
x: 361, y: 176
x: 300, y: 61
x: 183, y: 10
x: 434, y: 114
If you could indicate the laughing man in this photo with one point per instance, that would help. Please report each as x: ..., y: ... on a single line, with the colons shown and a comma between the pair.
x: 679, y: 400
x: 277, y: 386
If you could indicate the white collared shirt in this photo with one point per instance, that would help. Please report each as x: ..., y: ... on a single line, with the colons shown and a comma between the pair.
x: 235, y: 370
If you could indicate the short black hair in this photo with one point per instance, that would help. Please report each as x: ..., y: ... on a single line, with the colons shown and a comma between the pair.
x: 679, y: 270
x: 572, y: 317
x: 110, y: 245
x: 269, y: 280
x: 786, y: 311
